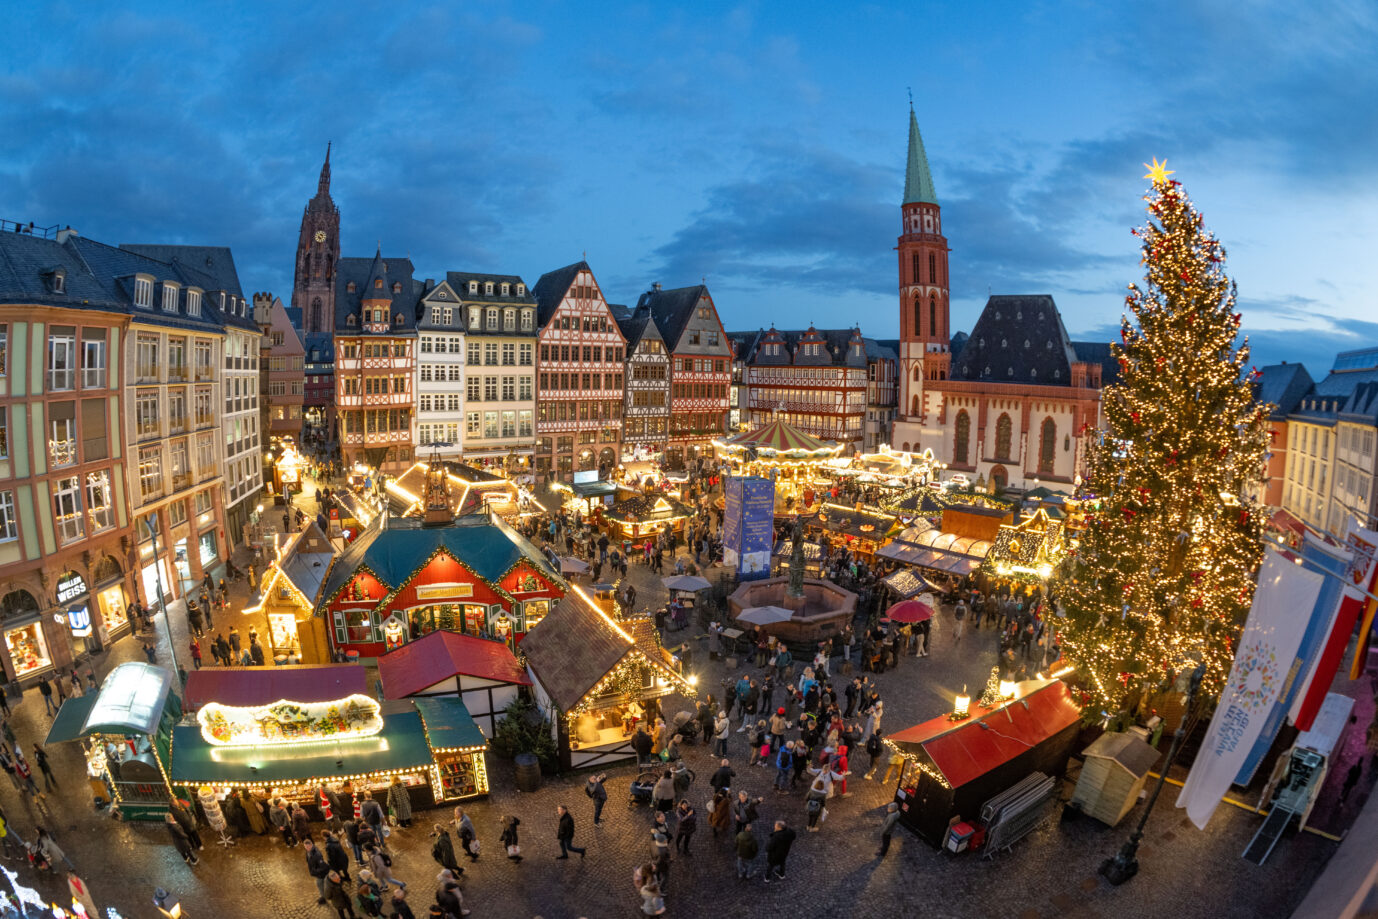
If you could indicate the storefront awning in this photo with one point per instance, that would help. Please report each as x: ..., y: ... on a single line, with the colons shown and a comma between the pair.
x: 906, y: 583
x: 71, y: 719
x: 448, y: 724
x: 400, y: 746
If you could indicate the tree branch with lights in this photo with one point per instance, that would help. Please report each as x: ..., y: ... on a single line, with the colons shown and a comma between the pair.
x: 1163, y: 576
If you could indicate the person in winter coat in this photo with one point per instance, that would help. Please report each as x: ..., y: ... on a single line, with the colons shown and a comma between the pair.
x: 722, y: 777
x: 369, y: 895
x: 778, y: 726
x: 595, y: 790
x: 468, y: 839
x: 187, y: 822
x: 301, y: 823
x: 254, y: 811
x: 652, y: 901
x: 887, y: 827
x: 720, y: 812
x: 745, y: 810
x: 663, y: 793
x: 399, y: 801
x: 564, y: 833
x: 283, y: 821
x: 747, y: 850
x: 366, y: 838
x: 378, y: 862
x: 873, y: 720
x: 317, y: 867
x: 400, y: 909
x: 337, y: 896
x: 336, y: 856
x: 180, y: 840
x: 784, y: 764
x: 443, y: 850
x: 874, y: 748
x: 658, y: 737
x: 373, y: 815
x: 722, y: 730
x: 777, y: 850
x: 449, y: 901
x: 41, y: 758
x: 642, y: 744
x: 511, y: 845
x: 685, y: 826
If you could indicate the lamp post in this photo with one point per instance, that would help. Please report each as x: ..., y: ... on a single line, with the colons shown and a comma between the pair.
x: 1125, y: 865
x: 162, y: 600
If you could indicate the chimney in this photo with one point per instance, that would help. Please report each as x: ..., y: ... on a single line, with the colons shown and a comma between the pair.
x: 64, y: 234
x: 430, y: 282
x: 656, y: 286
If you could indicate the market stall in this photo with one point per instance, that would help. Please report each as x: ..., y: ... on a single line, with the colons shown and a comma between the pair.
x: 470, y: 490
x: 596, y: 677
x: 483, y: 674
x: 1028, y: 551
x: 126, y: 730
x: 955, y: 763
x: 288, y: 593
x: 794, y: 459
x: 863, y: 531
x: 586, y: 493
x: 290, y: 730
x: 632, y: 520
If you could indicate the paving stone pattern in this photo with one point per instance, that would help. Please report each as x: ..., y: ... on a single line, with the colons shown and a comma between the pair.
x: 1051, y: 873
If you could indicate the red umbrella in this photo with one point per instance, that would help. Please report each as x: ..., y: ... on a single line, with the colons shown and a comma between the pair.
x: 910, y: 611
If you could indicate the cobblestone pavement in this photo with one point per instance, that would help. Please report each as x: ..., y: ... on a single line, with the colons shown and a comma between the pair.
x: 1052, y: 873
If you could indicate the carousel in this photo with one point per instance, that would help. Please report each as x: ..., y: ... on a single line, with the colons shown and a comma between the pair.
x: 794, y: 460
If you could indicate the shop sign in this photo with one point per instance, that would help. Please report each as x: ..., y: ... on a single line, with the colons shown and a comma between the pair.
x: 287, y: 722
x: 79, y: 621
x: 69, y: 587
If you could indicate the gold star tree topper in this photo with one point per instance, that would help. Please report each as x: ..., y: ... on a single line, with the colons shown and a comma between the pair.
x: 1158, y: 172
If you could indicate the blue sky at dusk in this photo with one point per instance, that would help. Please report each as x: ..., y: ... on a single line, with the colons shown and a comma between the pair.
x: 760, y: 146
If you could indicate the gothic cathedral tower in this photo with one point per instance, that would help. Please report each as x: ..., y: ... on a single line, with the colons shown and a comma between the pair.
x: 923, y: 284
x: 318, y: 252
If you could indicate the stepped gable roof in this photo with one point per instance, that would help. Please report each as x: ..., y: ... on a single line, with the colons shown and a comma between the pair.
x: 1099, y: 352
x: 440, y: 655
x: 1018, y: 339
x: 572, y: 648
x: 394, y: 548
x: 1282, y: 386
x: 362, y: 272
x: 550, y: 290
x: 672, y: 309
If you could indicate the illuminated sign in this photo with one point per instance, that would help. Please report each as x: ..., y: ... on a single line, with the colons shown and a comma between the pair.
x: 444, y: 591
x: 69, y: 587
x: 79, y: 620
x: 286, y: 722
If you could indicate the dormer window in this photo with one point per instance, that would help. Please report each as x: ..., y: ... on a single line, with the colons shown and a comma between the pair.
x: 397, y: 287
x: 58, y: 280
x: 169, y: 297
x: 509, y: 320
x: 351, y: 287
x: 143, y: 292
x: 475, y: 315
x: 193, y: 302
x: 473, y: 287
x: 488, y: 288
x: 521, y: 290
x: 506, y: 289
x: 351, y: 321
x: 377, y: 283
x: 492, y: 318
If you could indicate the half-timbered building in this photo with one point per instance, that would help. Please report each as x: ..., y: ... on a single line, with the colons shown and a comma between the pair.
x: 647, y: 408
x: 700, y: 368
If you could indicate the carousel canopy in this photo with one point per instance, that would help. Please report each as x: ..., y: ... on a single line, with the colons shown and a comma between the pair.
x: 779, y: 438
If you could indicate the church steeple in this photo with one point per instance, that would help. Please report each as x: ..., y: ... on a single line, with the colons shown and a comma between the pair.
x: 918, y: 180
x: 323, y: 186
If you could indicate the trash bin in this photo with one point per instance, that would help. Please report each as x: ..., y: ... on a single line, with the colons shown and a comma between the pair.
x: 528, y: 771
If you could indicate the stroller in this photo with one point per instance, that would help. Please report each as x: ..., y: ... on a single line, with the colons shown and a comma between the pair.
x: 641, y: 787
x: 39, y: 860
x: 686, y: 727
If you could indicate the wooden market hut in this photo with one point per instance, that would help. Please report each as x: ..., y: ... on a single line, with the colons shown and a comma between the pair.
x: 469, y: 491
x: 634, y: 518
x: 587, y: 668
x: 1114, y: 772
x: 288, y: 593
x: 863, y: 531
x: 952, y: 767
x: 484, y: 674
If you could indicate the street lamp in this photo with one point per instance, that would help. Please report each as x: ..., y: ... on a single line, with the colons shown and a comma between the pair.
x: 162, y: 600
x: 1125, y: 865
x: 167, y: 903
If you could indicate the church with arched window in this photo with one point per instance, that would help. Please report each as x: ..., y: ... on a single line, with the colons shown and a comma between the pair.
x: 1012, y: 401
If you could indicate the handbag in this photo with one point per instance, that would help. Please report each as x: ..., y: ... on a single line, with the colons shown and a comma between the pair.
x: 474, y: 846
x: 514, y: 850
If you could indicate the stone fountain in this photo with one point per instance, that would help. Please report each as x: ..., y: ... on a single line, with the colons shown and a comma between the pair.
x: 821, y: 608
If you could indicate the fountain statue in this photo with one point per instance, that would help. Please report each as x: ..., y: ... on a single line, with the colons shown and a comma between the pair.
x: 796, y: 562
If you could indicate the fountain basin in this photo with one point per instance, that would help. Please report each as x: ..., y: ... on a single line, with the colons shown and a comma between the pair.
x: 823, y: 611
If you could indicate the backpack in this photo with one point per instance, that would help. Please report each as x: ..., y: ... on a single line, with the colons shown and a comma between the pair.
x: 387, y: 859
x: 873, y: 745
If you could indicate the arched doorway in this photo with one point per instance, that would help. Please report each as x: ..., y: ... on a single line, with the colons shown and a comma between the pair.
x: 607, y: 459
x: 25, y: 642
x: 961, y: 438
x: 999, y: 478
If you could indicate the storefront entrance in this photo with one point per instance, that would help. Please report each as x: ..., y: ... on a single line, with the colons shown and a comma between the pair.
x: 150, y: 579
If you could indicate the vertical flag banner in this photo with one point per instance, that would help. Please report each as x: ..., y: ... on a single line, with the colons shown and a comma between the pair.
x: 1265, y: 653
x: 748, y: 529
x: 1331, y: 561
x: 1363, y: 575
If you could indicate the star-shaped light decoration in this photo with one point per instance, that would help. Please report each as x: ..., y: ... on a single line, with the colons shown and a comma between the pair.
x: 1158, y: 172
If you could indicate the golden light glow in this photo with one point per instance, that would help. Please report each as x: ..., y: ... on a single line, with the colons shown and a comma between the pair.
x: 1158, y: 172
x: 962, y: 705
x: 289, y: 723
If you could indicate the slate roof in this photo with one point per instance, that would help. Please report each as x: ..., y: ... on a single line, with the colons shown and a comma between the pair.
x: 440, y: 655
x: 672, y: 310
x: 362, y: 271
x: 323, y: 343
x: 550, y: 290
x: 425, y: 316
x: 1021, y: 339
x: 215, y: 264
x: 882, y: 349
x: 306, y: 559
x: 837, y: 349
x: 636, y: 325
x: 1342, y: 382
x: 394, y: 548
x: 1358, y: 359
x: 26, y: 260
x: 1362, y: 404
x: 571, y: 649
x: 1098, y: 352
x: 955, y: 346
x: 918, y: 179
x: 1282, y: 386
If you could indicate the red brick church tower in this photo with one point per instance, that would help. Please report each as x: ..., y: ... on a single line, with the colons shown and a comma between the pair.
x: 923, y: 283
x: 318, y: 253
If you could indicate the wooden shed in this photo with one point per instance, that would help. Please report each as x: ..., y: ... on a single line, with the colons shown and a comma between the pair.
x: 1114, y: 773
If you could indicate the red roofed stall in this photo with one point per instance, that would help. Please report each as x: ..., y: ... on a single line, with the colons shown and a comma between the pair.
x: 484, y: 674
x: 951, y: 767
x: 229, y: 685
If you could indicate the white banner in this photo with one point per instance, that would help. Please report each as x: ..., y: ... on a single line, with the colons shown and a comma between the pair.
x: 1286, y: 593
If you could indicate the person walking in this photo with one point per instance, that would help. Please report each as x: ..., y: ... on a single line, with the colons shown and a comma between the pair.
x: 399, y: 801
x: 443, y: 850
x: 179, y: 839
x: 196, y: 653
x: 317, y: 867
x: 747, y: 850
x: 814, y: 802
x: 686, y: 823
x: 301, y: 822
x: 25, y: 774
x: 720, y: 812
x: 279, y: 817
x: 959, y: 616
x: 722, y: 730
x: 509, y: 839
x: 777, y: 850
x: 400, y: 909
x: 887, y: 827
x: 595, y: 790
x: 187, y: 822
x: 337, y: 896
x: 565, y: 833
x: 784, y: 765
x: 874, y: 749
x: 369, y: 895
x: 45, y: 689
x: 380, y: 863
x: 468, y: 838
x: 336, y: 856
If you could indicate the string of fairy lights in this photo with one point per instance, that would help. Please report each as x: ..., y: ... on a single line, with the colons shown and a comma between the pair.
x: 1162, y: 576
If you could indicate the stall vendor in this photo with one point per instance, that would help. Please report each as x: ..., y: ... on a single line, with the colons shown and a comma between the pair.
x: 631, y: 714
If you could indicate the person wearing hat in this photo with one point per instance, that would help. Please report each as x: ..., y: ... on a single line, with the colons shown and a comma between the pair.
x: 778, y: 725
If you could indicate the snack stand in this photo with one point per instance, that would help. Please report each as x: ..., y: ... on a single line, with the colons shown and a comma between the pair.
x: 633, y: 519
x: 127, y: 728
x: 955, y: 763
x: 595, y: 676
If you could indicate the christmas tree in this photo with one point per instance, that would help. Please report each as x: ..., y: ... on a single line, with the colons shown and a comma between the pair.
x: 1163, y: 575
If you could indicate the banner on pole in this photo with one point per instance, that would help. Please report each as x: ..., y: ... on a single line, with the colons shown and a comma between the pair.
x: 1264, y: 656
x: 1364, y: 544
x: 748, y: 525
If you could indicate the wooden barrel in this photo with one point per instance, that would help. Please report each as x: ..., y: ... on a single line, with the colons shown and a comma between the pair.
x: 528, y: 771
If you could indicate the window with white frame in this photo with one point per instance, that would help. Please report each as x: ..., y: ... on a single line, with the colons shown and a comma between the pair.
x: 492, y: 320
x: 452, y: 402
x: 509, y: 320
x: 203, y: 501
x: 474, y: 355
x: 473, y: 287
x: 471, y: 388
x: 205, y: 455
x: 488, y: 288
x: 169, y: 297
x: 9, y: 526
x: 527, y: 320
x: 426, y: 373
x: 509, y: 424
x: 471, y: 424
x: 93, y: 358
x: 490, y: 424
x: 509, y: 354
x: 204, y: 350
x: 456, y: 373
x: 98, y: 501
x: 427, y: 344
x: 528, y: 351
x: 193, y: 302
x: 524, y: 423
x: 490, y: 354
x: 71, y: 525
x: 204, y: 406
x: 490, y: 389
x: 62, y: 358
x: 423, y: 433
x: 151, y: 472
x: 524, y: 388
x: 456, y: 345
x: 509, y: 389
x: 143, y: 292
x: 146, y: 413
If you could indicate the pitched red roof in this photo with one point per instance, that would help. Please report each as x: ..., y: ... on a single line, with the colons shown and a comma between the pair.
x: 441, y: 655
x: 244, y: 687
x: 964, y: 750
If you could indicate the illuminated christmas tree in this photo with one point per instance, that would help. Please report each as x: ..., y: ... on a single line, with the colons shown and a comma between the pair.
x: 1164, y: 574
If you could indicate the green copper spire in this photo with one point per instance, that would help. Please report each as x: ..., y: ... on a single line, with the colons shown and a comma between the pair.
x: 918, y: 181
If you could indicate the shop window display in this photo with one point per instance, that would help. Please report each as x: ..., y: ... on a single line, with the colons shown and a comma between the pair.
x: 28, y: 649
